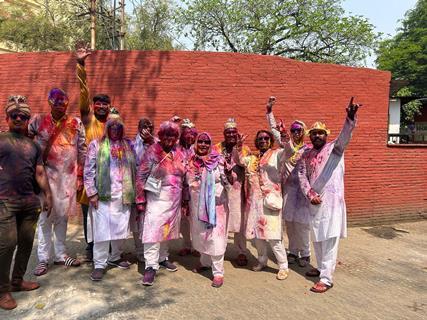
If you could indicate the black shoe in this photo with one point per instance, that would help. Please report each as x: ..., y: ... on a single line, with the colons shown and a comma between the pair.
x: 149, y: 275
x: 292, y: 258
x: 303, y: 262
x: 169, y: 266
x: 97, y: 274
x: 122, y: 264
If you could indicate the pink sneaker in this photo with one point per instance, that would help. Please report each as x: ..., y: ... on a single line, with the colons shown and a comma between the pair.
x: 217, y: 281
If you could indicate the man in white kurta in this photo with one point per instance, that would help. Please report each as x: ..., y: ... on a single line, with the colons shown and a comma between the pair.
x: 144, y: 139
x: 109, y: 178
x: 321, y: 174
x: 236, y: 194
x: 62, y: 140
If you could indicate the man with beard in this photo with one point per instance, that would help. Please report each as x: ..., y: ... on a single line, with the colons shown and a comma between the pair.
x: 21, y: 168
x: 143, y: 140
x: 321, y: 176
x: 236, y: 195
x: 94, y: 116
x: 295, y: 212
x: 62, y: 140
x: 187, y: 139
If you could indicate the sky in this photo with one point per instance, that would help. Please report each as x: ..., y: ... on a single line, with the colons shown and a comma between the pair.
x: 383, y: 14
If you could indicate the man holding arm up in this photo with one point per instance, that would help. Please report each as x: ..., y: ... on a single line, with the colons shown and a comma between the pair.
x: 321, y: 175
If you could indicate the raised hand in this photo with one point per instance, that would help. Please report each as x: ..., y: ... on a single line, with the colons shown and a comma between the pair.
x: 176, y: 119
x: 82, y: 51
x: 284, y: 136
x: 270, y: 104
x: 352, y: 109
x: 240, y: 140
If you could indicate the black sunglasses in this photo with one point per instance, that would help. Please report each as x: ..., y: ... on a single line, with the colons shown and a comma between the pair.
x: 296, y: 130
x: 23, y: 117
x: 263, y: 138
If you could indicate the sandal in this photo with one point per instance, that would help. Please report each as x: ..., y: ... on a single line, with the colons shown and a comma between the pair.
x: 40, y: 269
x: 68, y: 262
x: 321, y: 287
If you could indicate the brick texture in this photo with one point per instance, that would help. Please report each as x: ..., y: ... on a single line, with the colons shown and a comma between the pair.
x: 382, y: 183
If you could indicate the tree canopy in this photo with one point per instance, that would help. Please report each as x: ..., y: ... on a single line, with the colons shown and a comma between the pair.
x: 309, y: 30
x: 59, y: 24
x: 405, y: 55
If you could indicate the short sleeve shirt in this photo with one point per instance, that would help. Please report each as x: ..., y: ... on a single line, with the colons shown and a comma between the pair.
x: 19, y: 157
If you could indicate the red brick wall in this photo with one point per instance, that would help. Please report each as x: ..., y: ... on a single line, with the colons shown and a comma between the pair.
x: 382, y: 183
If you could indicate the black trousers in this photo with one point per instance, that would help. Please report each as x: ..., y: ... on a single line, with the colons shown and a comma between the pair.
x: 18, y: 222
x: 85, y: 210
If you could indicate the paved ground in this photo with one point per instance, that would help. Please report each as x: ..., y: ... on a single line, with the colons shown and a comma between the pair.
x: 381, y: 274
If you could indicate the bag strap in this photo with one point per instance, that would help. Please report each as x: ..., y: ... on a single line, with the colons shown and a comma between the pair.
x: 158, y: 164
x: 58, y: 128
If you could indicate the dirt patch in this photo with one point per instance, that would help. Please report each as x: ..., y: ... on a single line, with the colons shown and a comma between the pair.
x: 385, y: 232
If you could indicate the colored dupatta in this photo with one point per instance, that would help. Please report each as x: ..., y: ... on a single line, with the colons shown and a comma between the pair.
x: 205, y: 165
x: 127, y: 165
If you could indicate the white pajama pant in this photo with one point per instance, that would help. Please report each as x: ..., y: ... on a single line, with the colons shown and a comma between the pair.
x: 326, y: 256
x: 154, y: 253
x: 101, y: 252
x: 185, y: 232
x: 57, y: 224
x: 278, y: 250
x: 216, y: 262
x: 240, y: 243
x: 139, y: 246
x: 299, y: 238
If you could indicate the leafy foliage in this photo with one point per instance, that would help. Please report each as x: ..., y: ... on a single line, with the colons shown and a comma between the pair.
x: 309, y: 30
x: 405, y: 55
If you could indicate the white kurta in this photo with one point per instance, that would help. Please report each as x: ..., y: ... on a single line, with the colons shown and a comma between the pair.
x: 322, y: 172
x: 111, y: 220
x: 65, y: 158
x: 212, y: 241
x: 263, y: 222
x: 163, y: 212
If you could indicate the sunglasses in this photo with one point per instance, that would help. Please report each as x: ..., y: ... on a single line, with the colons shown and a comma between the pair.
x: 264, y: 138
x: 204, y: 142
x: 296, y: 130
x: 23, y: 117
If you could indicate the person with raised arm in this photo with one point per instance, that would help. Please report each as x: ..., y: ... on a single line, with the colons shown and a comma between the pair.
x: 94, y: 115
x: 321, y: 176
x: 295, y: 207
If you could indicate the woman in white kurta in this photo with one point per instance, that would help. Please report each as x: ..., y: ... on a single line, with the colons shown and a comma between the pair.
x: 264, y: 200
x: 159, y: 194
x: 109, y: 178
x: 295, y: 206
x: 208, y: 212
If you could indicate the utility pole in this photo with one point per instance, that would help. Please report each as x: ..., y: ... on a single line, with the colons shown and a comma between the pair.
x: 122, y: 25
x: 92, y: 24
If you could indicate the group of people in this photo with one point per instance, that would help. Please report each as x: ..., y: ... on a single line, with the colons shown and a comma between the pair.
x: 160, y: 187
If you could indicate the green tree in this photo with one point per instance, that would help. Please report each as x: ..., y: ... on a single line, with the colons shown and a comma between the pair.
x: 405, y: 55
x: 309, y: 30
x: 151, y: 25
